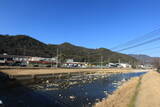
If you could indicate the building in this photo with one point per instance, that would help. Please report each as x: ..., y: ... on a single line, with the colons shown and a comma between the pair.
x: 119, y: 65
x: 17, y: 60
x: 146, y: 66
x: 124, y: 65
x: 42, y: 62
x: 71, y: 64
x: 13, y: 59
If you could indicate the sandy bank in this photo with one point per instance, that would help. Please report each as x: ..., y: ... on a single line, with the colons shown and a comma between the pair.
x: 52, y: 71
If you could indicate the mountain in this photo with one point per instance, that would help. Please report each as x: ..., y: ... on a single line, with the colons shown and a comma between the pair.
x: 25, y: 45
x: 145, y: 59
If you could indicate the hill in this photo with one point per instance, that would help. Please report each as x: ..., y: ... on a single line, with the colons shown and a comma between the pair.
x: 145, y: 59
x: 25, y: 45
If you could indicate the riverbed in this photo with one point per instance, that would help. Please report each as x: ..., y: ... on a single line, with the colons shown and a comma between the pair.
x: 80, y: 90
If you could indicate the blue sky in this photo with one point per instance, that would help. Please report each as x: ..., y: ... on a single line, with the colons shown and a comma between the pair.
x: 88, y: 23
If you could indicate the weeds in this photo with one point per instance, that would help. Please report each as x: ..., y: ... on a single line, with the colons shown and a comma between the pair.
x: 133, y: 100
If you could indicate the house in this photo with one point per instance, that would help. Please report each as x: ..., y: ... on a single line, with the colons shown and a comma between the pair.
x: 112, y: 65
x: 2, y: 61
x: 124, y: 65
x: 6, y: 59
x: 42, y: 62
x: 118, y: 65
x: 71, y: 64
x: 146, y: 66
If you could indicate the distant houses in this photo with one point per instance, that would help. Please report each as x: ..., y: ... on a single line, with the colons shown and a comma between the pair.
x: 30, y: 61
x: 119, y: 65
x: 70, y: 63
x: 16, y: 60
x: 13, y: 59
x: 42, y: 62
x: 145, y: 66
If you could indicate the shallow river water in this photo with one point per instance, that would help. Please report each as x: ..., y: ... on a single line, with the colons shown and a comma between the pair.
x: 78, y: 90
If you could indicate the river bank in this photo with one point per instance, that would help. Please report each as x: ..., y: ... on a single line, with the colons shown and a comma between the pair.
x: 80, y: 90
x: 22, y: 74
x: 138, y: 92
x: 122, y: 96
x: 54, y: 71
x: 149, y: 92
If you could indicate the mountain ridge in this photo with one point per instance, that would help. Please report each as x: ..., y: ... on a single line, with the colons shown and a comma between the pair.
x: 26, y: 45
x: 144, y: 59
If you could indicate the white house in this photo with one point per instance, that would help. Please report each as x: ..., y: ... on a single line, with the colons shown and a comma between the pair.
x: 119, y: 65
x: 124, y: 65
x: 70, y: 63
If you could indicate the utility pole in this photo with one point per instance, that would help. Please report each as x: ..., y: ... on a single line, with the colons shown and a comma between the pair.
x: 57, y: 58
x: 24, y: 50
x: 51, y: 60
x: 88, y: 59
x: 24, y: 53
x: 60, y: 58
x: 119, y: 61
x: 101, y: 61
x: 108, y: 60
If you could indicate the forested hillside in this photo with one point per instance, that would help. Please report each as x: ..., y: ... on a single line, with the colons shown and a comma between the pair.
x: 25, y: 45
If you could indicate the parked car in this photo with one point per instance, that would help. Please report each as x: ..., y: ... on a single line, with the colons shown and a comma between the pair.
x: 23, y: 64
x: 35, y: 65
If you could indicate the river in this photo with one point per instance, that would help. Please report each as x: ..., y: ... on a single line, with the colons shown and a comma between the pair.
x: 78, y: 90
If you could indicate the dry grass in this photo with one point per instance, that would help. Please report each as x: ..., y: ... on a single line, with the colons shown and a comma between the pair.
x: 122, y: 97
x: 149, y: 93
x: 145, y: 94
x: 47, y: 71
x: 134, y: 97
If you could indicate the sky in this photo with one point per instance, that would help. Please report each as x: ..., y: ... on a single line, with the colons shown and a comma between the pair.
x: 87, y: 23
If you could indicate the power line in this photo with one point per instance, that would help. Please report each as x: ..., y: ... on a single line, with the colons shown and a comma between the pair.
x: 151, y: 50
x: 146, y: 49
x: 147, y: 36
x: 141, y: 44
